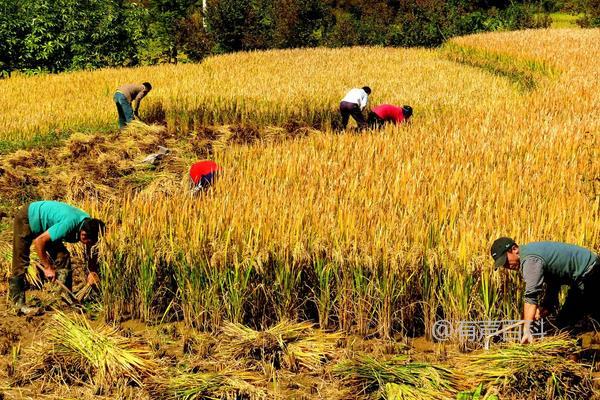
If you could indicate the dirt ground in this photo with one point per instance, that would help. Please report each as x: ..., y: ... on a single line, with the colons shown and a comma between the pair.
x: 175, y: 345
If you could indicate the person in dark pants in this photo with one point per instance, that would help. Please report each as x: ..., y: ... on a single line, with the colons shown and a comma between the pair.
x: 385, y: 113
x: 353, y: 105
x: 125, y: 96
x: 545, y: 267
x: 46, y: 225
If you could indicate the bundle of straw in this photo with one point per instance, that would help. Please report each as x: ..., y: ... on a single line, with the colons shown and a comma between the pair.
x: 101, y: 351
x: 287, y: 344
x: 84, y: 292
x: 541, y: 370
x: 396, y: 377
x: 224, y: 384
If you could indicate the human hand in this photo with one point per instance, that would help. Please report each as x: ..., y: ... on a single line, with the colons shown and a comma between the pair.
x: 93, y: 279
x: 527, y: 337
x: 50, y: 273
x: 541, y: 312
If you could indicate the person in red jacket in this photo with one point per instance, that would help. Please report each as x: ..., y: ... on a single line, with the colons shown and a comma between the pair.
x: 388, y: 113
x: 203, y: 174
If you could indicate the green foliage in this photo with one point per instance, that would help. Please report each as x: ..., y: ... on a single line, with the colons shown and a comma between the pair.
x: 47, y: 35
x: 163, y: 39
x: 299, y: 23
x: 477, y: 394
x: 563, y: 20
x: 396, y: 378
x: 239, y: 24
x: 60, y: 35
x: 12, y: 31
x: 591, y: 18
x: 524, y: 72
x: 193, y: 38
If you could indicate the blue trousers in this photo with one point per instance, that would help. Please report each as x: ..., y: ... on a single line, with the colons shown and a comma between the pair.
x: 124, y: 109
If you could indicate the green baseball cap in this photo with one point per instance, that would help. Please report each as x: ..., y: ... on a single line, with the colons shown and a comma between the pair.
x: 499, y: 249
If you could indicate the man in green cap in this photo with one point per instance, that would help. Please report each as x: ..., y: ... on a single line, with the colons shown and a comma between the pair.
x: 46, y: 225
x: 545, y: 267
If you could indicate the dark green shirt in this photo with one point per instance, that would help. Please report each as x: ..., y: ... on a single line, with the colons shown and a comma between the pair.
x: 555, y: 263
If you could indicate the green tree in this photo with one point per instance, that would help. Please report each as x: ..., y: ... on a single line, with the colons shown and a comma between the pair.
x: 13, y: 28
x: 240, y: 24
x: 300, y: 23
x: 59, y: 35
x: 591, y: 18
x: 166, y: 17
x: 193, y: 38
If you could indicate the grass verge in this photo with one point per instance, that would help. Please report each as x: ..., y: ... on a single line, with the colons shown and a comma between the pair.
x: 525, y: 73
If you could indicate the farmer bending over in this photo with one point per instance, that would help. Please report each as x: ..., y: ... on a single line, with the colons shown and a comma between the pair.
x: 47, y: 224
x: 546, y: 266
x: 353, y: 104
x: 125, y: 96
x: 388, y: 113
x: 203, y: 174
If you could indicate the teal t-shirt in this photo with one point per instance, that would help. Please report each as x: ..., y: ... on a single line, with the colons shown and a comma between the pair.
x: 566, y: 262
x: 62, y: 221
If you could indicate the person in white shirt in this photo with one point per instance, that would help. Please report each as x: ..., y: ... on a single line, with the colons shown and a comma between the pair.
x: 353, y: 104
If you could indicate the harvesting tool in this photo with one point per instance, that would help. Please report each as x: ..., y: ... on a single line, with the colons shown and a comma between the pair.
x: 70, y: 297
x: 486, y: 343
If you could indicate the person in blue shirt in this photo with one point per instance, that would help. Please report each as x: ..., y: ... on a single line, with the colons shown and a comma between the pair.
x: 46, y: 225
x: 545, y: 267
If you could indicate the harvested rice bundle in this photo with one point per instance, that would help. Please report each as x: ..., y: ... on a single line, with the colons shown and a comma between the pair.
x: 541, y: 370
x: 396, y: 377
x: 73, y: 351
x: 288, y: 344
x: 139, y: 127
x: 224, y: 384
x: 312, y: 351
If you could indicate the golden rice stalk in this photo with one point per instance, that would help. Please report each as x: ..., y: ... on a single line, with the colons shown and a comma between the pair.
x: 542, y: 369
x: 139, y: 127
x: 312, y: 352
x: 240, y: 340
x: 224, y: 384
x: 84, y: 292
x: 288, y: 344
x: 101, y: 351
x: 396, y: 378
x: 34, y: 276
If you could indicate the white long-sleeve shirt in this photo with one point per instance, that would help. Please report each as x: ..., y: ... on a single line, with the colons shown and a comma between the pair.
x: 357, y: 96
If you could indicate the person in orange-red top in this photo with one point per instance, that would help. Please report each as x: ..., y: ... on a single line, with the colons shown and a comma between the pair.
x: 203, y: 174
x: 388, y: 113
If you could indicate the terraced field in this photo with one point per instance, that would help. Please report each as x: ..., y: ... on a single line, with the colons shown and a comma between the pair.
x: 372, y: 237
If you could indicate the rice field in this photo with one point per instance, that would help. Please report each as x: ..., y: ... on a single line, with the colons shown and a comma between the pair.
x: 378, y: 234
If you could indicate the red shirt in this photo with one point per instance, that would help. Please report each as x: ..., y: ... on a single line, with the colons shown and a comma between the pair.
x: 388, y: 112
x: 202, y: 168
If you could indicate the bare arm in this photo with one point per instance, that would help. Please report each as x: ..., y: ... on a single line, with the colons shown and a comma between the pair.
x: 91, y: 257
x: 138, y: 100
x: 40, y: 244
x: 529, y: 311
x: 137, y: 107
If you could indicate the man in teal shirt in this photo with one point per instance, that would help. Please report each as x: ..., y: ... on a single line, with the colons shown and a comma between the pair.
x: 46, y: 225
x: 545, y: 267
